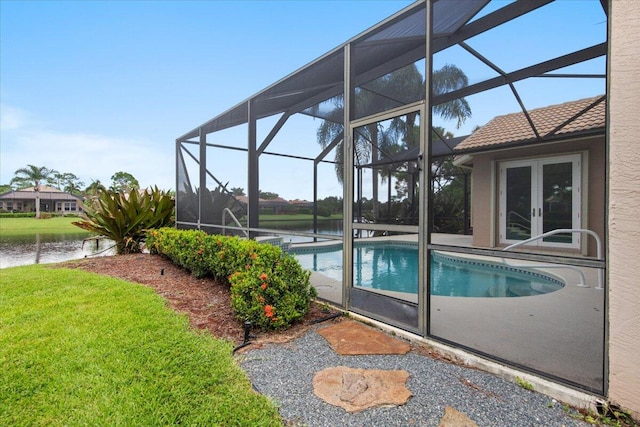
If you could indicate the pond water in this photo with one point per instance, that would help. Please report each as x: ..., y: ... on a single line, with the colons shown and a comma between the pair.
x: 50, y: 248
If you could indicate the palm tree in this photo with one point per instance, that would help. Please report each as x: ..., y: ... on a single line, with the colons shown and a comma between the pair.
x: 94, y: 188
x: 33, y: 175
x: 68, y: 182
x: 73, y: 187
x: 371, y: 140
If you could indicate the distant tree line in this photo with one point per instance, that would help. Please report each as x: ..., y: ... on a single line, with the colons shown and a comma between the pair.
x: 38, y: 176
x: 325, y: 207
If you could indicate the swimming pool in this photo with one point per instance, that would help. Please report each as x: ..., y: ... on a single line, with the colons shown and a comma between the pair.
x: 394, y: 267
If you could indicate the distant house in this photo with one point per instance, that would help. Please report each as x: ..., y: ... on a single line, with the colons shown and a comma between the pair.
x: 301, y: 203
x: 536, y: 173
x: 51, y: 200
x: 276, y: 206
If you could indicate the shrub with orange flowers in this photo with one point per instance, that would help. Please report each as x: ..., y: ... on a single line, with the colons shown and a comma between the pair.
x: 268, y: 288
x: 272, y: 296
x: 209, y: 255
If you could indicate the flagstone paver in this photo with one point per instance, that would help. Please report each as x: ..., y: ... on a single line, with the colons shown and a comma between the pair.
x: 353, y: 338
x: 359, y: 389
x: 454, y: 418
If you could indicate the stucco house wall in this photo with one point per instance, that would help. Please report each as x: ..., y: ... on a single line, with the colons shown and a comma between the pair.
x: 624, y: 205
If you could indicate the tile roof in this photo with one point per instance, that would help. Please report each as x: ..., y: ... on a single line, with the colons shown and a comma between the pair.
x: 45, y: 193
x: 551, y: 122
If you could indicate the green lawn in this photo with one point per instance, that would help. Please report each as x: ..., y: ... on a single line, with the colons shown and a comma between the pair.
x: 77, y: 348
x: 27, y: 226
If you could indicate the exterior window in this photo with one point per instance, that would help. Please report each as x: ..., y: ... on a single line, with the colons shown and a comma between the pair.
x: 538, y: 196
x: 9, y: 206
x: 70, y: 206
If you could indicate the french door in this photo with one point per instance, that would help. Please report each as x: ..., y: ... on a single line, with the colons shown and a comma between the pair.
x: 541, y: 195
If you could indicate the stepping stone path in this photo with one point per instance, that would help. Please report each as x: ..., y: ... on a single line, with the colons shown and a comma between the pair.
x: 359, y: 389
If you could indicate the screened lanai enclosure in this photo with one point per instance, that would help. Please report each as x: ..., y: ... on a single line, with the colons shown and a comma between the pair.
x: 471, y: 213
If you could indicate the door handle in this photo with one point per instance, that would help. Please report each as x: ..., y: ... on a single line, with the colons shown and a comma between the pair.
x: 533, y: 212
x: 539, y: 211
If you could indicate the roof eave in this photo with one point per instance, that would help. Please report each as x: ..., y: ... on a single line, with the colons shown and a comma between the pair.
x: 533, y: 142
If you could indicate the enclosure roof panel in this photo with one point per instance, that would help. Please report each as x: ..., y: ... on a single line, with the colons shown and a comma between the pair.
x: 385, y: 47
x: 585, y: 116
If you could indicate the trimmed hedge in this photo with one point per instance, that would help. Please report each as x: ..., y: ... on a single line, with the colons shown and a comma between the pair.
x: 17, y: 214
x: 268, y: 288
x: 43, y: 215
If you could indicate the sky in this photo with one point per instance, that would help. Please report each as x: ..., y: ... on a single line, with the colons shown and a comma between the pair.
x: 97, y: 87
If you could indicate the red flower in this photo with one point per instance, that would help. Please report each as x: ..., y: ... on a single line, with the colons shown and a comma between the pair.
x: 263, y: 277
x: 268, y: 311
x: 263, y: 286
x: 254, y: 255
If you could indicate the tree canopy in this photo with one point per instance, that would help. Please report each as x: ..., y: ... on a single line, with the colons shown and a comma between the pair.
x: 68, y: 182
x: 369, y: 139
x: 32, y: 176
x: 37, y: 176
x: 267, y: 195
x: 123, y: 181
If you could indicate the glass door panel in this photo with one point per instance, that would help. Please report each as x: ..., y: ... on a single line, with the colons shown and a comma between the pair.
x: 557, y: 200
x: 518, y: 203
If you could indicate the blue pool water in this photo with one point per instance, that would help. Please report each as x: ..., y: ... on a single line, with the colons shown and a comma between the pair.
x: 394, y: 267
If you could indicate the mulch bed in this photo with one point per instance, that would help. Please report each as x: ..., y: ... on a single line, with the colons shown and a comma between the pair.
x: 205, y: 301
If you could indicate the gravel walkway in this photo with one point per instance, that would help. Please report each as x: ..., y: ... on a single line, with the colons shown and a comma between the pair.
x: 285, y: 372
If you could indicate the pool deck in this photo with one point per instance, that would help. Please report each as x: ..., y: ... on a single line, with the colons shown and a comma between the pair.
x: 560, y: 333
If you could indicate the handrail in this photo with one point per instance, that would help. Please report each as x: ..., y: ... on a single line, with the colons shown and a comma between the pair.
x: 518, y: 215
x: 564, y: 231
x: 224, y: 217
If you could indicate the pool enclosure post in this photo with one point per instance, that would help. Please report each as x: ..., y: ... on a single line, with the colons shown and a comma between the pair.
x: 176, y: 199
x: 203, y: 174
x: 253, y: 173
x: 347, y: 179
x: 424, y: 179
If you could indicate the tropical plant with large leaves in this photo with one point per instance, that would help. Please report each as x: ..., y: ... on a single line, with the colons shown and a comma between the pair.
x: 124, y: 217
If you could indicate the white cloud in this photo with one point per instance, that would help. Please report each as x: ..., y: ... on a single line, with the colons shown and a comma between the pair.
x: 89, y: 156
x: 12, y: 118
